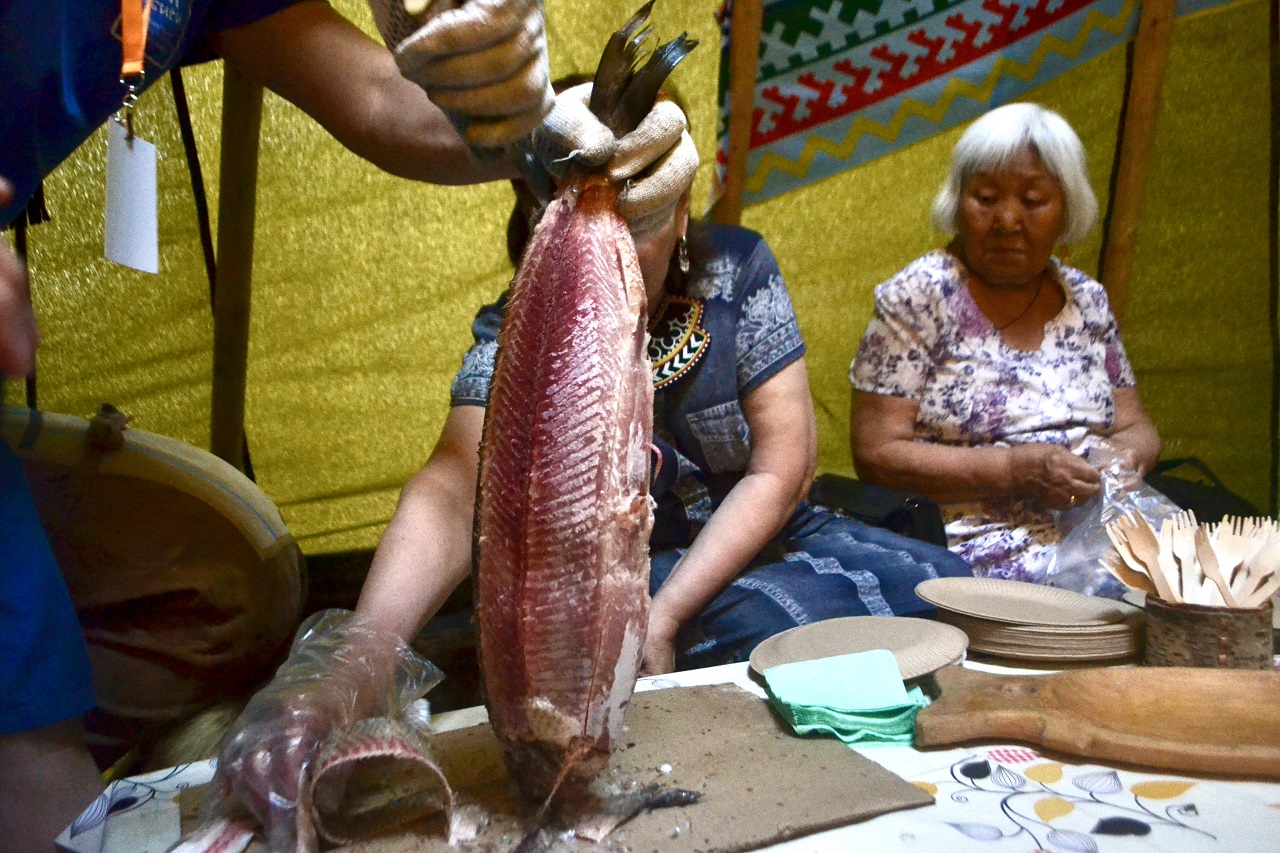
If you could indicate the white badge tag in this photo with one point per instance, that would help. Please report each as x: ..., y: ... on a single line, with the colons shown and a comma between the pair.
x: 131, y: 236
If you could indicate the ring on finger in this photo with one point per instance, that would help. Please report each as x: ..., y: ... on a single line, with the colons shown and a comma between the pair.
x: 1071, y: 501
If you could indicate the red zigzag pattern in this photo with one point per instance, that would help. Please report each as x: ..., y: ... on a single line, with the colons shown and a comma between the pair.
x: 855, y: 94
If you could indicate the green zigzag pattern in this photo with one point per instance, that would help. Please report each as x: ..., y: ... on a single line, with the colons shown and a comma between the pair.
x: 1004, y: 67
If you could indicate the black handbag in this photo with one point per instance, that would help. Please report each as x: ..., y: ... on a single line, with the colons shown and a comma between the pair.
x: 1206, y: 495
x: 902, y: 512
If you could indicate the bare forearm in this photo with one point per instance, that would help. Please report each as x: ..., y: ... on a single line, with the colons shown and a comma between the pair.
x: 887, y: 453
x: 407, y: 135
x: 423, y: 555
x: 316, y: 59
x: 784, y: 449
x: 1134, y: 433
x: 749, y: 517
x: 1142, y: 440
x: 18, y: 335
x: 944, y: 474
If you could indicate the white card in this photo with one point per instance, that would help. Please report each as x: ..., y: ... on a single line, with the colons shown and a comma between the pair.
x: 130, y: 234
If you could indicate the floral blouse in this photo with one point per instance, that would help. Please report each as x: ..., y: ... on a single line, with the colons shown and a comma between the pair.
x: 929, y: 342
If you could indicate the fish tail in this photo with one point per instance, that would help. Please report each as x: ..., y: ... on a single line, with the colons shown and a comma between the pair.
x: 621, y: 95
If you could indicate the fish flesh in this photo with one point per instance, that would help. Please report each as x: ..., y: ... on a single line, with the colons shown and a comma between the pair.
x: 562, y: 582
x: 564, y: 513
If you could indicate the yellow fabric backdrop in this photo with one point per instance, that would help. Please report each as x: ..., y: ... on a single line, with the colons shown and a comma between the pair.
x: 365, y: 285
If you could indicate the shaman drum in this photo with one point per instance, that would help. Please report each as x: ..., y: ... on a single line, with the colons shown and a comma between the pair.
x: 186, y: 582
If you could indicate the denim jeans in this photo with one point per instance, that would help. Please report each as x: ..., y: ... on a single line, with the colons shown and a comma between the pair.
x: 820, y: 566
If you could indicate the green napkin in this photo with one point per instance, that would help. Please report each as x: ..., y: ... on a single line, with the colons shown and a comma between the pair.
x: 859, y: 698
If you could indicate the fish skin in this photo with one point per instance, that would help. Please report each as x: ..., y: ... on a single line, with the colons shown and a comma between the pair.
x: 564, y: 512
x: 373, y: 777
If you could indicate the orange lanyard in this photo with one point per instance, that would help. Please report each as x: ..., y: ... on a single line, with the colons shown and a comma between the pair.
x: 135, y: 17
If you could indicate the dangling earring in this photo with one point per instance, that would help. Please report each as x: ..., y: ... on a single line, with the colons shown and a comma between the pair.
x: 684, y: 253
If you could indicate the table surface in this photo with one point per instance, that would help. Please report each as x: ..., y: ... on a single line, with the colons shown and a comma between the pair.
x: 1001, y: 798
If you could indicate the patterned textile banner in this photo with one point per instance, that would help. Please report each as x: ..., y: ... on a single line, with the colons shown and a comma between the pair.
x: 842, y: 82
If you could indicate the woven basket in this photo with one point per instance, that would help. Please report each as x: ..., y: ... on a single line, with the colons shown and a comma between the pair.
x: 1181, y: 634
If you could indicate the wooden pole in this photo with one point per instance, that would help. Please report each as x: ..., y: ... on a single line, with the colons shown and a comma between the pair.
x: 237, y: 183
x: 1273, y: 256
x: 744, y: 65
x: 1137, y: 139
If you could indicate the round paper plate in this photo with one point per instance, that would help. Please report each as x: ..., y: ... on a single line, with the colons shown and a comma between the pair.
x: 1048, y: 642
x: 1020, y: 603
x: 919, y: 645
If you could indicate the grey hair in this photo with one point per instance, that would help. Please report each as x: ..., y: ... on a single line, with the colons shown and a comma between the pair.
x: 995, y: 138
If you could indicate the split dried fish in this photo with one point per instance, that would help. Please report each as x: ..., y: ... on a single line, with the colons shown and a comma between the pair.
x: 564, y: 514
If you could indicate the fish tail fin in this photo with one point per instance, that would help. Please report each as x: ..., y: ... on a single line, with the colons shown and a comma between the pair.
x: 623, y: 92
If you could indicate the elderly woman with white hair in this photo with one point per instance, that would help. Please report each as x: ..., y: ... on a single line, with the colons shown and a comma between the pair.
x: 991, y: 370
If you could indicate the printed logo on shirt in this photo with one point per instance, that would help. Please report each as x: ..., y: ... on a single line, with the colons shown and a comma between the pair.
x: 165, y: 33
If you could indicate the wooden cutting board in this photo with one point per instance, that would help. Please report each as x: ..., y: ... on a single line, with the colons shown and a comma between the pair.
x: 1206, y: 720
x: 760, y: 783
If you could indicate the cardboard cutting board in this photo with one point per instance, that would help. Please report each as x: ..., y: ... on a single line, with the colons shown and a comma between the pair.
x: 1175, y: 718
x: 760, y: 784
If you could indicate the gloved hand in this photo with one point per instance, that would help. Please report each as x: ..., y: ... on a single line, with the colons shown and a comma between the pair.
x: 484, y: 62
x: 657, y: 160
x: 339, y: 670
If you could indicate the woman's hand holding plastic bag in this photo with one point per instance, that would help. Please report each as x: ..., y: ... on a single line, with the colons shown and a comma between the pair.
x: 1077, y: 562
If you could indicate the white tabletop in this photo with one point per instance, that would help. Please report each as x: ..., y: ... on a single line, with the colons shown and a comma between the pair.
x: 1000, y: 798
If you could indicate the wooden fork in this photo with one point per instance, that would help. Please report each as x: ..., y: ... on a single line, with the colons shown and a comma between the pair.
x: 1182, y: 542
x: 1133, y: 578
x: 1141, y: 542
x: 1212, y: 571
x: 1263, y: 578
x: 1230, y: 544
x: 1125, y: 566
x: 1262, y: 560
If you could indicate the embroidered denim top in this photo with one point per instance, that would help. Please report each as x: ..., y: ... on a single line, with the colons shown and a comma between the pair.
x: 751, y: 333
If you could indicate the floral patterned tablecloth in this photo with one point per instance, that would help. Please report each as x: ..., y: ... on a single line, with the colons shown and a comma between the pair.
x: 1011, y: 799
x: 992, y: 799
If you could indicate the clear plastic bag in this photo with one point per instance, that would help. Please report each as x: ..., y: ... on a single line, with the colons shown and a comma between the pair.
x: 1076, y: 564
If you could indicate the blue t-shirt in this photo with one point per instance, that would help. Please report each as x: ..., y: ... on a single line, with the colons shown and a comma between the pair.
x: 60, y: 71
x: 44, y: 665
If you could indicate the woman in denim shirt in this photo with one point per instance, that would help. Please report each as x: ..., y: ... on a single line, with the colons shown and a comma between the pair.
x: 737, y: 555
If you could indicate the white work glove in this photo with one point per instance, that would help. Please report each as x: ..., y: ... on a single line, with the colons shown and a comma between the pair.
x: 484, y: 62
x: 657, y: 160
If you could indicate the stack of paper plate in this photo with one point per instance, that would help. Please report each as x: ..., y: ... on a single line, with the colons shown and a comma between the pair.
x: 1033, y: 622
